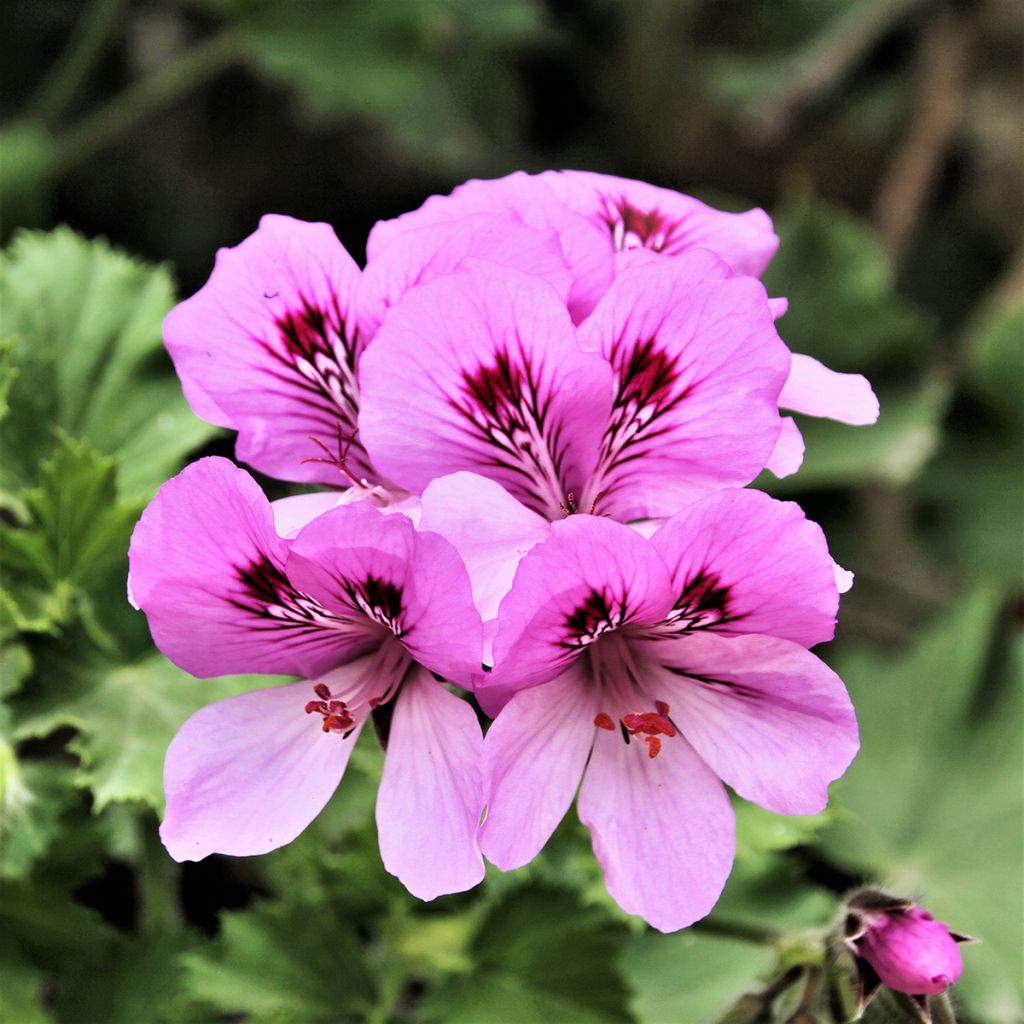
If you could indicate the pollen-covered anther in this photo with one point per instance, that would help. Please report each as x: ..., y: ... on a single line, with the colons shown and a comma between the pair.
x: 336, y: 715
x: 604, y: 721
x: 650, y: 725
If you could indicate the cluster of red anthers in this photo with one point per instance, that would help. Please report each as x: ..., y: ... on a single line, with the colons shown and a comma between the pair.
x: 335, y: 712
x: 651, y: 724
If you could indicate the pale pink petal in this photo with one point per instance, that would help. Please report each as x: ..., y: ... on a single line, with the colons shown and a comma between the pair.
x: 480, y: 370
x: 770, y: 718
x: 269, y: 347
x: 844, y: 578
x: 742, y: 562
x: 247, y: 775
x: 591, y: 577
x: 359, y: 562
x: 816, y: 390
x: 421, y: 254
x: 431, y: 795
x: 534, y: 756
x: 634, y: 215
x: 663, y: 828
x: 779, y: 308
x: 487, y: 526
x: 788, y: 454
x: 698, y: 368
x: 584, y: 242
x: 291, y: 514
x: 208, y: 569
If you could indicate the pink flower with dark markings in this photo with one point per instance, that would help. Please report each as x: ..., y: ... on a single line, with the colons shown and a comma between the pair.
x: 271, y: 345
x: 608, y: 224
x: 668, y: 391
x: 655, y: 671
x: 365, y: 608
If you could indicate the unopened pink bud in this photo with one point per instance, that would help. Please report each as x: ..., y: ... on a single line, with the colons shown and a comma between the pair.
x: 910, y: 951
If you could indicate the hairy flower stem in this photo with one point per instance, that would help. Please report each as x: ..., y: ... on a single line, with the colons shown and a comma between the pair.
x: 744, y: 931
x: 89, y: 39
x: 942, y: 1009
x: 145, y: 98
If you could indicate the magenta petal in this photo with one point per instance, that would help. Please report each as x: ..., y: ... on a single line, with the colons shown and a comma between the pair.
x: 487, y: 526
x: 269, y: 347
x: 742, y: 562
x: 247, y: 775
x: 816, y: 390
x: 534, y: 756
x: 912, y: 952
x: 207, y: 568
x: 698, y: 370
x: 421, y: 254
x: 480, y: 370
x: 591, y: 577
x: 431, y: 795
x: 636, y: 215
x: 663, y: 829
x: 360, y: 562
x: 770, y: 718
x: 788, y: 454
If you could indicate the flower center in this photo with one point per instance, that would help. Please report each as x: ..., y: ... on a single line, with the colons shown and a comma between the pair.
x: 633, y: 228
x: 336, y: 715
x: 649, y: 725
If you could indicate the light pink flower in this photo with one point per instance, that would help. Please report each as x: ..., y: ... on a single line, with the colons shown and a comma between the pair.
x: 669, y: 390
x: 270, y: 346
x: 365, y: 608
x: 910, y: 951
x: 608, y: 224
x: 655, y: 671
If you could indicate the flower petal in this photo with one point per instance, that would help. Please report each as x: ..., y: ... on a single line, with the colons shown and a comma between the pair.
x: 583, y: 242
x: 480, y: 370
x: 742, y: 562
x: 788, y: 454
x: 698, y: 371
x: 534, y: 756
x: 358, y: 561
x: 208, y: 569
x: 816, y: 390
x: 591, y: 577
x: 770, y: 718
x: 269, y: 347
x: 637, y: 215
x: 487, y: 526
x: 431, y: 795
x: 247, y: 775
x: 421, y: 254
x: 663, y: 829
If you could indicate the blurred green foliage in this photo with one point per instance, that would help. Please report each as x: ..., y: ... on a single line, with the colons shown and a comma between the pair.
x: 169, y: 126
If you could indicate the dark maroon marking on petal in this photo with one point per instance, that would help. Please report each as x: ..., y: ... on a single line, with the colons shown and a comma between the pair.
x: 504, y: 408
x: 597, y: 615
x: 314, y: 358
x: 633, y: 228
x: 703, y: 603
x: 734, y: 688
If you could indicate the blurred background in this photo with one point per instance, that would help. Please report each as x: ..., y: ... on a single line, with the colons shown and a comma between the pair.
x: 885, y: 138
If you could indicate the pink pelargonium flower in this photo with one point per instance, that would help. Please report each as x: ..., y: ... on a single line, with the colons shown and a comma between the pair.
x: 668, y: 392
x: 361, y: 605
x: 270, y: 345
x: 608, y: 224
x: 657, y: 670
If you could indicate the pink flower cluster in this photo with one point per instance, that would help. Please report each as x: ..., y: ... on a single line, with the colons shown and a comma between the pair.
x: 532, y: 416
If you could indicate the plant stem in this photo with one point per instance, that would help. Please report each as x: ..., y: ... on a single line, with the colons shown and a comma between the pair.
x: 145, y: 98
x: 745, y: 931
x: 89, y: 38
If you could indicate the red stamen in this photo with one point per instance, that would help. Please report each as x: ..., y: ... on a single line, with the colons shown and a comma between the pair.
x: 653, y: 746
x: 322, y: 691
x: 315, y: 705
x: 651, y: 725
x: 604, y: 721
x: 661, y: 707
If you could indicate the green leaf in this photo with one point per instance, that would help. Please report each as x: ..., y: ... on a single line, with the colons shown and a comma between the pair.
x: 26, y: 175
x: 759, y: 831
x: 934, y: 797
x: 689, y: 976
x: 86, y: 323
x: 843, y: 307
x: 125, y: 716
x: 996, y: 360
x: 280, y: 964
x: 540, y: 956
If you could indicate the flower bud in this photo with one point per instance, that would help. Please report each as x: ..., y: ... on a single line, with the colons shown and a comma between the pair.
x: 905, y: 946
